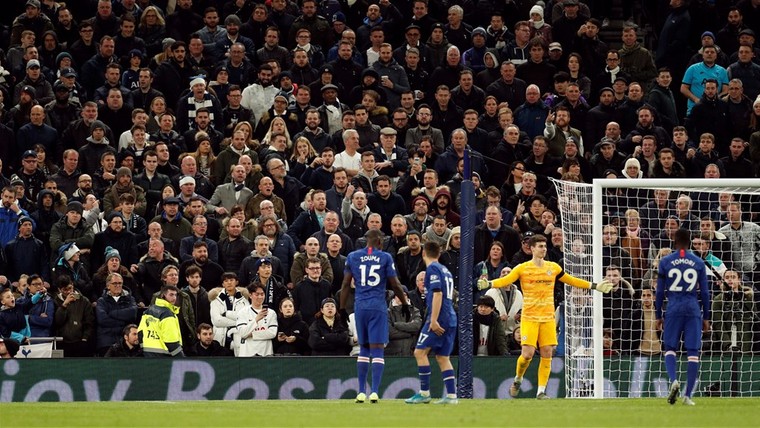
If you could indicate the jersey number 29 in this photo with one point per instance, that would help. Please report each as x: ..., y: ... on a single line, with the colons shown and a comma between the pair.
x: 689, y: 276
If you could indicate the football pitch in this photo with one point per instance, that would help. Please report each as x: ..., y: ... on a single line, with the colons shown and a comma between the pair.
x: 710, y: 412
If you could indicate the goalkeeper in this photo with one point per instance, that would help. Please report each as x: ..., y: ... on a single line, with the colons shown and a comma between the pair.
x: 537, y: 278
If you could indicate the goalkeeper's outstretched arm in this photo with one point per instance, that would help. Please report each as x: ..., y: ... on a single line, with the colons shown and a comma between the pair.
x: 604, y: 286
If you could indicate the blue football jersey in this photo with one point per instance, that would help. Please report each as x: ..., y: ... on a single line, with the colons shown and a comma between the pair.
x: 370, y: 269
x: 682, y: 277
x: 438, y: 277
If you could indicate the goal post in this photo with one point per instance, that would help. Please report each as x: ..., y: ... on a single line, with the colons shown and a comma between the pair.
x: 607, y: 342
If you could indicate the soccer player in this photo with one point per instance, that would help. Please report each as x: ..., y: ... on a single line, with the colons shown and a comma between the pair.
x: 682, y: 277
x: 370, y: 269
x: 537, y: 278
x: 439, y: 330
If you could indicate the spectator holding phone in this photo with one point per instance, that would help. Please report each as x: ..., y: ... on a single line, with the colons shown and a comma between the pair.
x: 256, y: 326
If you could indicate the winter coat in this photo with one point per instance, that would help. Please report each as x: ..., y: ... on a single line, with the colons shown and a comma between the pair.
x: 77, y: 273
x: 224, y: 312
x: 124, y: 241
x: 76, y: 322
x: 496, y: 341
x: 308, y: 296
x: 200, y: 304
x: 26, y: 256
x: 292, y: 326
x: 121, y: 350
x: 148, y: 275
x: 402, y: 333
x: 112, y: 316
x: 327, y: 340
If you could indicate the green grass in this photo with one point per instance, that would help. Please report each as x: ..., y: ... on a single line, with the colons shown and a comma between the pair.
x: 713, y: 412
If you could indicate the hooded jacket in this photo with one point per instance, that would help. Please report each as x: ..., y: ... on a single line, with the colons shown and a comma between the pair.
x: 159, y: 330
x: 452, y: 218
x: 75, y: 322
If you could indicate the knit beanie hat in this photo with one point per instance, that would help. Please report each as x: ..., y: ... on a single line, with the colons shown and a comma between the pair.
x: 111, y: 253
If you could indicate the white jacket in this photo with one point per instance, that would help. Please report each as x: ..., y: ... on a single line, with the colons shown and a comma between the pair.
x: 517, y: 304
x: 258, y: 99
x: 254, y: 338
x: 225, y: 321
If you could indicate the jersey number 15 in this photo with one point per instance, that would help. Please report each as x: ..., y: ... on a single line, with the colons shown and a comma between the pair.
x: 371, y: 278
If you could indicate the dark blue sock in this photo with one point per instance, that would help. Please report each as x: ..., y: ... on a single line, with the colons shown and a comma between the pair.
x: 692, y: 371
x: 378, y: 364
x: 670, y: 365
x: 424, y: 373
x: 450, y: 381
x: 362, y: 368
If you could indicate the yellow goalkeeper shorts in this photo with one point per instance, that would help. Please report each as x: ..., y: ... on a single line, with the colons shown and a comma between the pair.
x: 538, y: 334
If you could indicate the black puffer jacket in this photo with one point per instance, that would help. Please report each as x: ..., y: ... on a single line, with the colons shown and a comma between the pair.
x: 292, y: 326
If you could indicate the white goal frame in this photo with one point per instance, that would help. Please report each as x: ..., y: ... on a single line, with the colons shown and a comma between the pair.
x: 598, y: 188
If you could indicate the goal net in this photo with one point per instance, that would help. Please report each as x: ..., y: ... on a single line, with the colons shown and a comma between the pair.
x: 618, y: 229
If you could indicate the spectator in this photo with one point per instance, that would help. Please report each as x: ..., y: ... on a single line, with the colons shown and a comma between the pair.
x: 206, y: 345
x: 187, y: 244
x: 159, y: 327
x: 26, y: 254
x: 74, y: 319
x: 115, y: 310
x: 327, y: 334
x: 197, y: 293
x: 403, y: 329
x: 226, y: 301
x: 489, y: 336
x: 129, y: 346
x: 68, y: 263
x: 508, y: 304
x: 292, y: 331
x: 309, y: 292
x: 256, y: 326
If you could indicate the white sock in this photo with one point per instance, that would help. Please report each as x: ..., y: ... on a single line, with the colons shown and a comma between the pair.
x: 541, y: 389
x: 518, y: 379
x: 425, y: 393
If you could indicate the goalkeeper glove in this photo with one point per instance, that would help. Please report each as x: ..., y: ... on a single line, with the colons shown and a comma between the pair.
x: 484, y: 284
x: 604, y: 286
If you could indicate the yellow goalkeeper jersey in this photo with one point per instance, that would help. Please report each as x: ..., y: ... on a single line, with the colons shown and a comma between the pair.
x: 537, y: 284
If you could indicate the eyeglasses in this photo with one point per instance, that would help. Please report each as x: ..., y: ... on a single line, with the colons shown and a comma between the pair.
x: 268, y: 225
x: 519, y: 168
x: 277, y: 167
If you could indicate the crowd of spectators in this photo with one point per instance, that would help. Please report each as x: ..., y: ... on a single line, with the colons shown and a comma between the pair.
x: 240, y: 150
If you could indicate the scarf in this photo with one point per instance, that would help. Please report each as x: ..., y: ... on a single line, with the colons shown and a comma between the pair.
x: 483, y: 319
x: 538, y: 24
x: 117, y: 190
